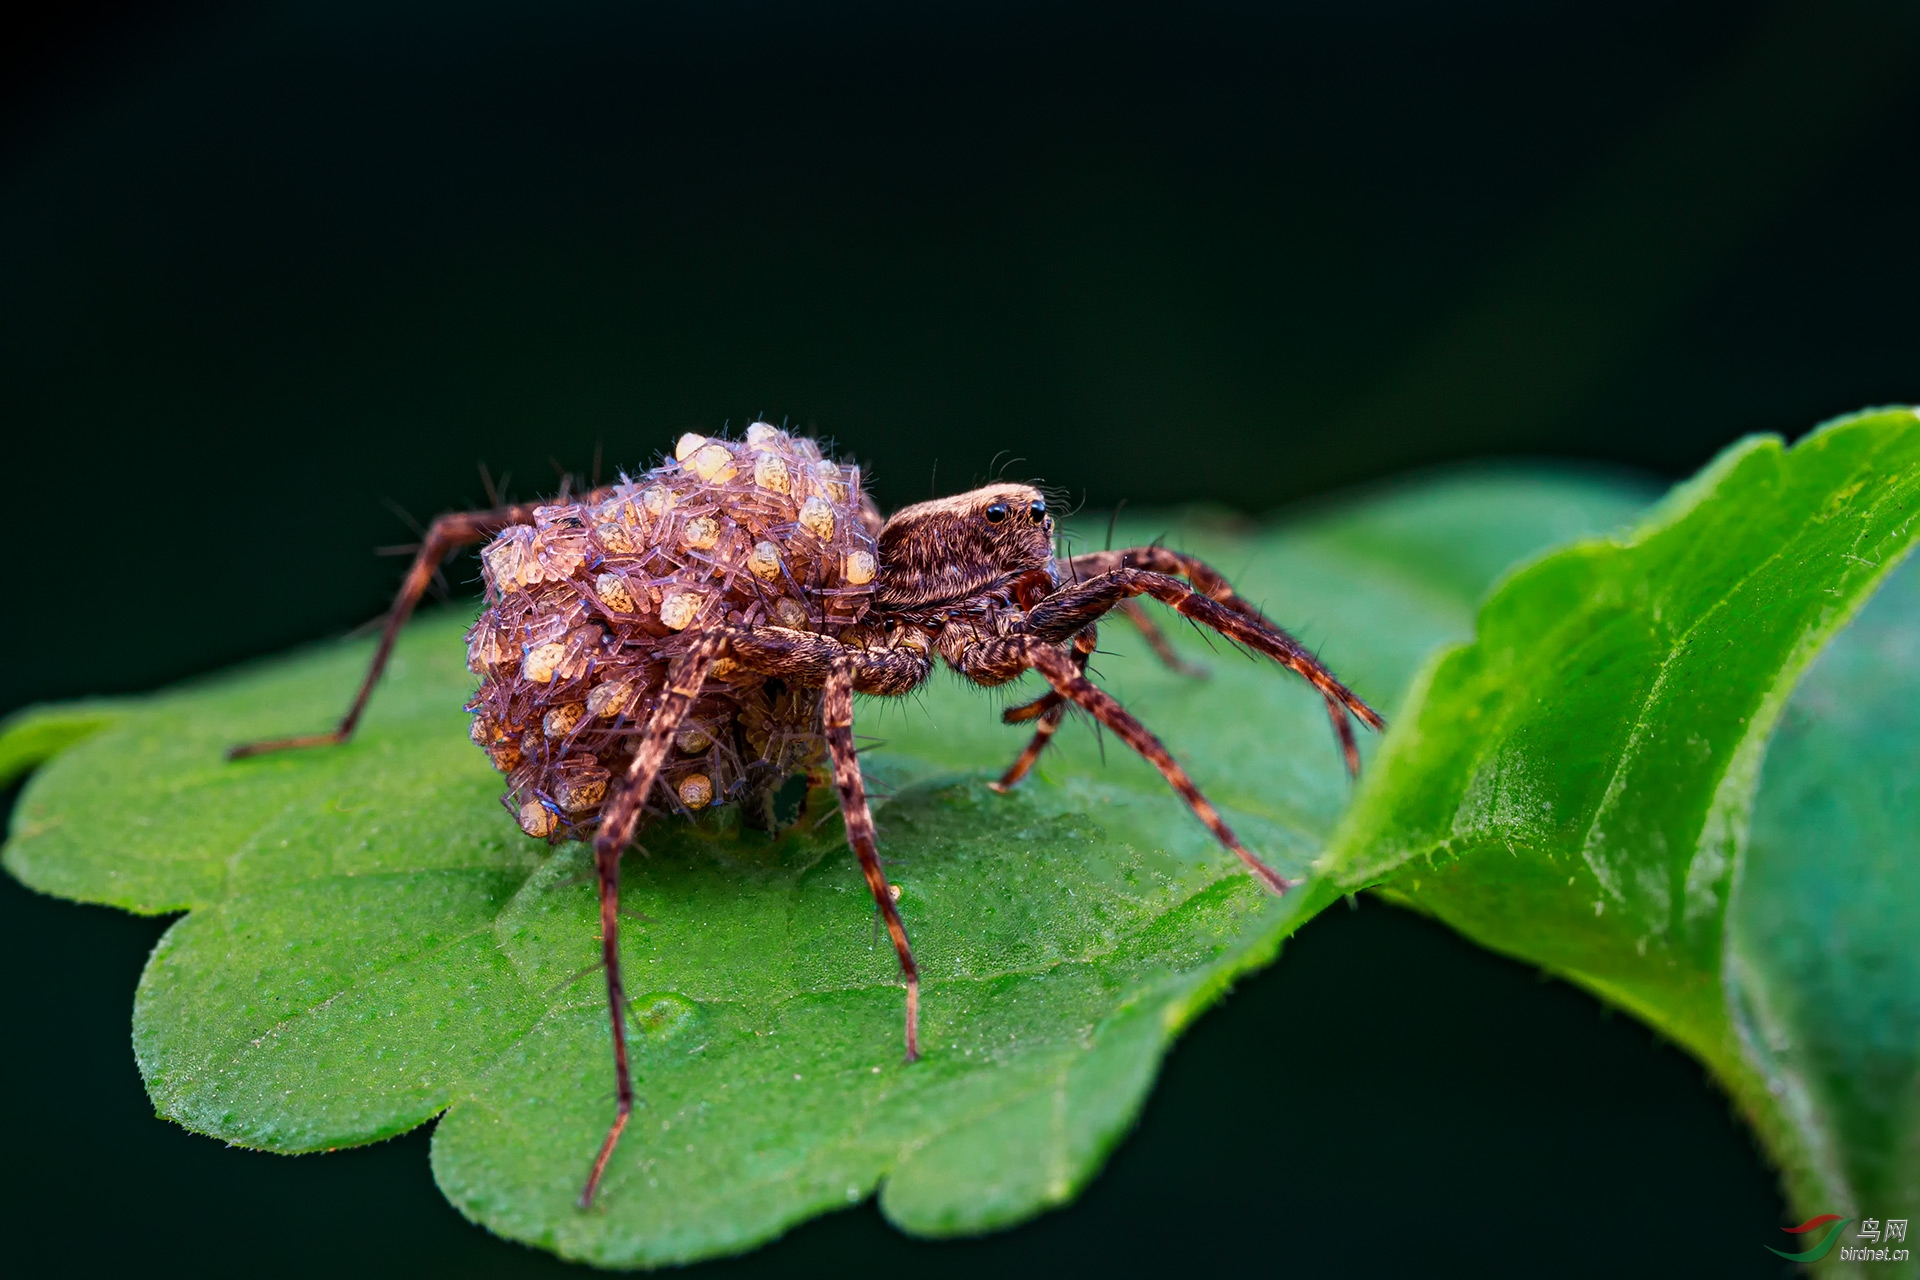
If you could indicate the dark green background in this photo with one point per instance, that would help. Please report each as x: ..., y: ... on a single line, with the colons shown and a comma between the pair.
x: 263, y: 268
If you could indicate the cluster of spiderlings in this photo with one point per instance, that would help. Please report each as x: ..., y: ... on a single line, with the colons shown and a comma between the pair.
x: 588, y: 606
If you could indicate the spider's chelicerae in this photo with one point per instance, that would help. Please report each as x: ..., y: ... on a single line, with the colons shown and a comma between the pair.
x: 695, y: 635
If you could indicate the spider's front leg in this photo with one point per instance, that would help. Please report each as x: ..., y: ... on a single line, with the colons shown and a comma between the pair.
x: 1049, y: 709
x: 1073, y: 570
x: 447, y: 533
x: 1066, y: 611
x: 1210, y: 582
x: 988, y: 660
x: 1157, y: 641
x: 1206, y: 579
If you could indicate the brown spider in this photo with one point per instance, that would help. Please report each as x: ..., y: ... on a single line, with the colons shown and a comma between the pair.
x: 696, y: 635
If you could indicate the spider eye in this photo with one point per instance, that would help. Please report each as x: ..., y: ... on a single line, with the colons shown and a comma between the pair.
x: 1037, y: 512
x: 996, y: 512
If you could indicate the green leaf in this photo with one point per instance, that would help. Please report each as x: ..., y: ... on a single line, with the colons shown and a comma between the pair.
x: 370, y: 941
x: 1577, y: 788
x: 38, y: 734
x: 1822, y: 966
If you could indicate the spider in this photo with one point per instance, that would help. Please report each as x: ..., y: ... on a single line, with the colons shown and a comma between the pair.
x: 695, y: 635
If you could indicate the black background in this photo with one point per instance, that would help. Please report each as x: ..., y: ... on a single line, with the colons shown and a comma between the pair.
x: 263, y: 270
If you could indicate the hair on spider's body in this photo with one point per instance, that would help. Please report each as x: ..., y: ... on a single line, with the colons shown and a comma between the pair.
x: 695, y: 635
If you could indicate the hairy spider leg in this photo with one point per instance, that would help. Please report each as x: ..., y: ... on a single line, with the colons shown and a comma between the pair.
x: 1157, y: 641
x: 1073, y: 570
x: 1066, y: 611
x: 1213, y: 584
x: 1061, y: 673
x: 841, y: 670
x: 1049, y: 712
x: 1079, y: 571
x: 684, y: 679
x: 1209, y: 581
x: 837, y: 716
x: 1049, y: 709
x: 1206, y: 579
x: 448, y: 532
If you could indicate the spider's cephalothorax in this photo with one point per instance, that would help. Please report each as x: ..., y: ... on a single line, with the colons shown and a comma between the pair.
x: 692, y: 636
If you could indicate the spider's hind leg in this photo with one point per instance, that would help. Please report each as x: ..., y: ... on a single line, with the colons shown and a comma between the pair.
x: 445, y: 535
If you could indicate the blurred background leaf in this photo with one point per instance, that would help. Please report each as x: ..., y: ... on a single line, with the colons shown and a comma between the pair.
x: 1820, y: 932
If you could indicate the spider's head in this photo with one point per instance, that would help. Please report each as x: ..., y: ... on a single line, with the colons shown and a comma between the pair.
x: 952, y: 548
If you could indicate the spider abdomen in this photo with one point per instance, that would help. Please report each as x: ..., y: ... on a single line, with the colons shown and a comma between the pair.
x: 588, y: 606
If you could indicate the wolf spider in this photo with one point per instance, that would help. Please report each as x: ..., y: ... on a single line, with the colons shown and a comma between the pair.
x: 972, y: 580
